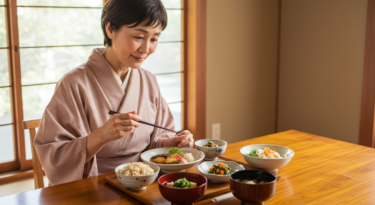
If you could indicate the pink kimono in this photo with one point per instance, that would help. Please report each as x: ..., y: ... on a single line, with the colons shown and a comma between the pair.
x: 80, y: 105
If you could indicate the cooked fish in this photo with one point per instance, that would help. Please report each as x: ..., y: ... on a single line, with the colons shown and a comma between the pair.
x: 171, y: 160
x: 165, y: 159
x: 159, y: 160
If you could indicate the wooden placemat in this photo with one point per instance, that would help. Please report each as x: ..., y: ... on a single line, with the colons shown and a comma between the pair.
x: 152, y: 196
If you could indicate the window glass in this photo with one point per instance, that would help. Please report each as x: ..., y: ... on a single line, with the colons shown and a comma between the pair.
x: 45, y: 65
x: 35, y: 100
x: 168, y: 4
x: 170, y: 87
x: 173, y: 30
x: 167, y: 58
x: 5, y: 108
x: 4, y: 70
x: 72, y: 3
x: 3, y: 36
x: 52, y: 26
x: 6, y: 144
x: 176, y: 112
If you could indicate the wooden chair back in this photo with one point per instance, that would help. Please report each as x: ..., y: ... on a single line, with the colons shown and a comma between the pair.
x: 31, y: 125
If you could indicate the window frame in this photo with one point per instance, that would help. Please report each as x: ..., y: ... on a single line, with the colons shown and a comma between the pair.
x: 193, y: 17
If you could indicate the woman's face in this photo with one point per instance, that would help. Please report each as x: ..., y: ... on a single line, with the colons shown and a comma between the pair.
x: 132, y: 46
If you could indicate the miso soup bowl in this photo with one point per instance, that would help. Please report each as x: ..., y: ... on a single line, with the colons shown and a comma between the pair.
x: 253, y: 193
x: 270, y: 165
x: 182, y: 196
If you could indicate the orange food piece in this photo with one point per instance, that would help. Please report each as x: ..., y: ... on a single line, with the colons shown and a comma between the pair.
x: 268, y: 151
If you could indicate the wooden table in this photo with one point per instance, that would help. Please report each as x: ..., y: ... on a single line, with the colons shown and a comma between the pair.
x: 323, y: 171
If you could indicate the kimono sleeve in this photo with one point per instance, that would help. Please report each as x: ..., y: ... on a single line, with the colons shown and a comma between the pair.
x: 62, y: 136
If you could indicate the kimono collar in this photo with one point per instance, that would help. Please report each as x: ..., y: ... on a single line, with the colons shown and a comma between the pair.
x: 119, y: 101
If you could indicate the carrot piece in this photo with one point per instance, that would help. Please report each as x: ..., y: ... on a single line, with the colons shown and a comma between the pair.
x: 217, y: 170
x: 221, y: 172
x: 265, y: 151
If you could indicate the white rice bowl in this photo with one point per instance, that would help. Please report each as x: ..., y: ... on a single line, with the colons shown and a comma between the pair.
x: 137, y: 182
x: 136, y: 169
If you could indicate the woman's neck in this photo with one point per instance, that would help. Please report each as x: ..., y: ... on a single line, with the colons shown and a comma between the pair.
x: 115, y: 64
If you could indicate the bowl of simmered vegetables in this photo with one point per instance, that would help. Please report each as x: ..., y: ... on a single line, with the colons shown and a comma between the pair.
x: 211, y: 148
x: 219, y: 171
x: 252, y: 186
x: 182, y: 187
x: 266, y: 156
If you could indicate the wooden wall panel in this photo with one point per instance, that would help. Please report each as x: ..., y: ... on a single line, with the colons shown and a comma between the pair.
x: 366, y: 129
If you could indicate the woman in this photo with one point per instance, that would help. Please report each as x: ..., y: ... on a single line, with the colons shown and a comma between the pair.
x: 77, y: 138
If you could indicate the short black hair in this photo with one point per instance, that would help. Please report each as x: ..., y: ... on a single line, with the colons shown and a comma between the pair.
x: 132, y: 12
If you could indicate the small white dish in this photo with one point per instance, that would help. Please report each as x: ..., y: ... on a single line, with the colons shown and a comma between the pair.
x: 271, y: 165
x: 211, y: 153
x: 169, y: 168
x: 137, y: 183
x: 204, y: 167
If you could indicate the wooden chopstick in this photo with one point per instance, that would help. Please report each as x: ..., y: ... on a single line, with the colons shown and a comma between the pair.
x: 143, y: 122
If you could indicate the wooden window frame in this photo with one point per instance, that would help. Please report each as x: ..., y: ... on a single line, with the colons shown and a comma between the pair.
x: 367, y: 118
x: 20, y: 162
x: 194, y: 15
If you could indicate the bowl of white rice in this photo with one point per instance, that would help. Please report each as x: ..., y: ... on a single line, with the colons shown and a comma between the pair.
x: 137, y: 175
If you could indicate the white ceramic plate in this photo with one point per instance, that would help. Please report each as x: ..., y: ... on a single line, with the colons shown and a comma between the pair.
x: 204, y: 167
x: 169, y: 168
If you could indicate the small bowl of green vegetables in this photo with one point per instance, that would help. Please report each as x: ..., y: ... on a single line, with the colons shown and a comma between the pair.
x: 211, y: 148
x: 219, y: 171
x: 266, y: 156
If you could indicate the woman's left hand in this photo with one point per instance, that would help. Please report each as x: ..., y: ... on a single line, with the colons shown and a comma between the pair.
x: 182, y: 139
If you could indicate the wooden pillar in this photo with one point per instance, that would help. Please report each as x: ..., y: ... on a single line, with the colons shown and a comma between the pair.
x: 367, y: 119
x: 195, y: 17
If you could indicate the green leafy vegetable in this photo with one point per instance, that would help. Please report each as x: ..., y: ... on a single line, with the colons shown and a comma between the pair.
x: 253, y: 153
x: 217, y: 167
x: 176, y: 151
x: 182, y: 183
x: 210, y: 144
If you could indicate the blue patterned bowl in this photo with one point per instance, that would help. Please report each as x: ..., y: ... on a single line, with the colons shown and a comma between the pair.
x: 211, y: 153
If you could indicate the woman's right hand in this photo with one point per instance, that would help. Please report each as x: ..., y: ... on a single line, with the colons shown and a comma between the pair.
x: 118, y: 126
